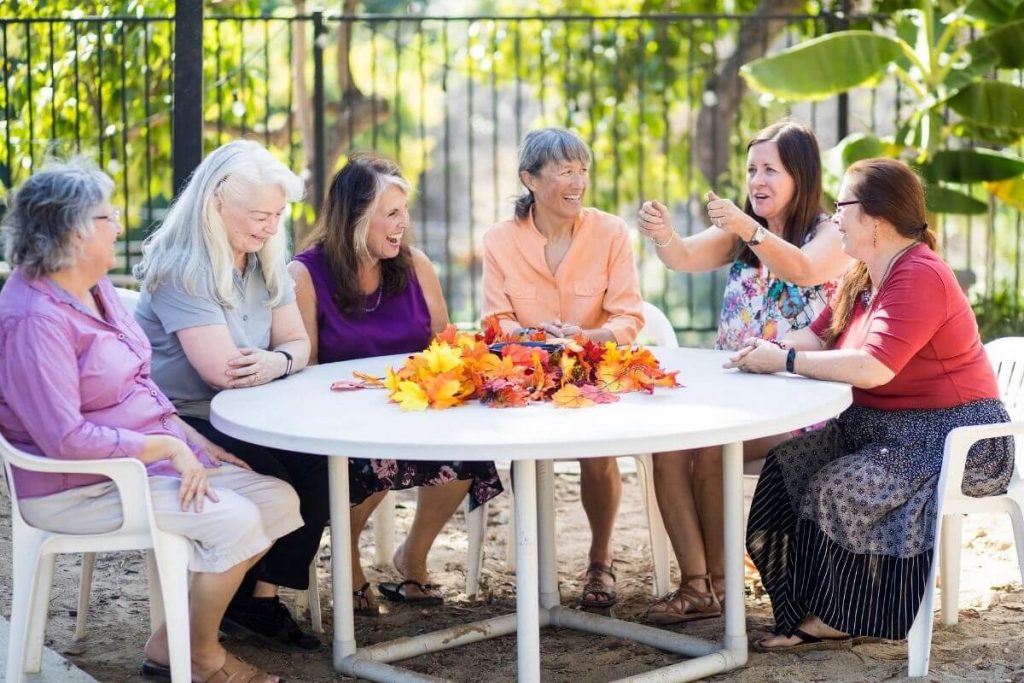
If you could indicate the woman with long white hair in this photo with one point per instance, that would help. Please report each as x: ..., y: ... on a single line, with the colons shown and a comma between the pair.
x: 219, y: 309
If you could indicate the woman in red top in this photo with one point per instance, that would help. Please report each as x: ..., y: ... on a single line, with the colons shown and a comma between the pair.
x: 842, y: 524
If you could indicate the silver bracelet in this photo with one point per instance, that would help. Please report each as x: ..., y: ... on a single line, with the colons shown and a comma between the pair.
x: 667, y: 242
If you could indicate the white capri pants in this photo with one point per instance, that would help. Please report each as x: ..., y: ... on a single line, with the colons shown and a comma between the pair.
x: 253, y: 511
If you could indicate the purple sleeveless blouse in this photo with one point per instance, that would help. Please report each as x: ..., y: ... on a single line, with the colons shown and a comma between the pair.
x: 400, y: 324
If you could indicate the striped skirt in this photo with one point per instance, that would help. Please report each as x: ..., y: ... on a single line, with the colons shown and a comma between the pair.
x: 842, y: 523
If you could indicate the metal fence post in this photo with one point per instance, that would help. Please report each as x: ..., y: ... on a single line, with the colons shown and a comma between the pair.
x: 319, y: 130
x: 187, y: 114
x: 843, y: 101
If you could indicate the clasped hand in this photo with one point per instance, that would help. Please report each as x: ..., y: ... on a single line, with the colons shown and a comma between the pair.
x: 255, y: 367
x: 556, y: 328
x: 759, y: 356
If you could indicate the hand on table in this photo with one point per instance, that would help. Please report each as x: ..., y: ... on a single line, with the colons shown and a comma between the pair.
x: 759, y: 356
x: 255, y: 367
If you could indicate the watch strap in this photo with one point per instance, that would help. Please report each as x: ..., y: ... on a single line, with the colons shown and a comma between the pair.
x: 288, y: 365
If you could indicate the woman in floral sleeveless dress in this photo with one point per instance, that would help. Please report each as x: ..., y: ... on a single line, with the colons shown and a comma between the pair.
x: 785, y: 258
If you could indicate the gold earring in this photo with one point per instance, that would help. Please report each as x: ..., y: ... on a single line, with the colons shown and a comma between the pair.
x: 874, y: 236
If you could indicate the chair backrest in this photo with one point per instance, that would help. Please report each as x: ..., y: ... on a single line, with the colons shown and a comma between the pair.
x: 657, y: 329
x: 10, y: 456
x: 1007, y: 357
x: 129, y: 297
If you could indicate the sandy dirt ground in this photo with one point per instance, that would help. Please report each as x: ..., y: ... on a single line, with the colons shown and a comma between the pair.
x: 987, y: 644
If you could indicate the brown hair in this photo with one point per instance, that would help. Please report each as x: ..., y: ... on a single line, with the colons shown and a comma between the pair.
x: 887, y: 189
x: 342, y: 227
x: 800, y: 156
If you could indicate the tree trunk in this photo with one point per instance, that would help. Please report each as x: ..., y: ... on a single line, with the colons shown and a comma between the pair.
x: 712, y: 150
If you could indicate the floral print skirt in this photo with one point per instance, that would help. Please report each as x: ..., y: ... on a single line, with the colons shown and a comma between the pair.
x: 842, y: 524
x: 366, y: 477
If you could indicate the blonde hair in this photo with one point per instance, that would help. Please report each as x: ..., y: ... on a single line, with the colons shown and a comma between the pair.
x: 191, y: 246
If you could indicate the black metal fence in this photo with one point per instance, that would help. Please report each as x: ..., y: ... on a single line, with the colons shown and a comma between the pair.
x: 449, y: 97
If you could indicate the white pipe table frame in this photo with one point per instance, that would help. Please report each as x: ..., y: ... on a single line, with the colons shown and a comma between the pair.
x: 301, y: 414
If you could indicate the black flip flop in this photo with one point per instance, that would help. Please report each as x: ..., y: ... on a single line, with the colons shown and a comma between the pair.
x: 360, y: 595
x: 395, y: 592
x: 807, y: 642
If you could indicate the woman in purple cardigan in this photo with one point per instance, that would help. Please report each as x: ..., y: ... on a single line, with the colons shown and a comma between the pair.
x: 75, y: 384
x: 363, y: 293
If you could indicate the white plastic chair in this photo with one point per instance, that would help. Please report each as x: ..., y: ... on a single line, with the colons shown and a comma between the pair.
x: 657, y: 331
x: 308, y: 600
x: 34, y: 552
x: 1007, y: 357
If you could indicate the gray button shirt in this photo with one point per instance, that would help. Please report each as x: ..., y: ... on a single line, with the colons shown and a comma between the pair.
x: 170, y: 308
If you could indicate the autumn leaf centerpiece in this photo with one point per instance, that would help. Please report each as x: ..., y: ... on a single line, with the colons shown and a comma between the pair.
x: 503, y: 370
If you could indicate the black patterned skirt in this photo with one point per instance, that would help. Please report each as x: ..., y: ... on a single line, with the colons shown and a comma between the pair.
x: 366, y: 477
x: 842, y: 524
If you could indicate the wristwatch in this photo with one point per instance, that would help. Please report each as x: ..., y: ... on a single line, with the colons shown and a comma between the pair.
x: 288, y: 365
x: 758, y: 236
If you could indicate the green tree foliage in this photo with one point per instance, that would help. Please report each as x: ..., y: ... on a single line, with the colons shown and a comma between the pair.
x: 962, y: 125
x: 634, y: 87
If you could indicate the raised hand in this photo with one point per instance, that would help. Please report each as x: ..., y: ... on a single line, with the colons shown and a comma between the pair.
x: 724, y: 214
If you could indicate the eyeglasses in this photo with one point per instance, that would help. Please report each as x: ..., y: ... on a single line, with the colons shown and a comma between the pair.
x: 840, y: 205
x: 114, y: 216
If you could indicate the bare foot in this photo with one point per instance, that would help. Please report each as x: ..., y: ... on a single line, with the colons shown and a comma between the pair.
x: 365, y: 598
x: 812, y: 626
x: 599, y: 588
x: 416, y: 570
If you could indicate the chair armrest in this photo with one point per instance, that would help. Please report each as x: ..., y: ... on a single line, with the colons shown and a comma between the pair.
x: 128, y: 474
x: 958, y: 445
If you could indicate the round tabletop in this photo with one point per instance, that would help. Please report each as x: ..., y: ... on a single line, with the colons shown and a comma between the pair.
x: 715, y: 406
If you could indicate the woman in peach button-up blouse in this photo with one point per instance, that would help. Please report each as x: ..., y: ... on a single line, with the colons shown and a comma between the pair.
x: 566, y: 269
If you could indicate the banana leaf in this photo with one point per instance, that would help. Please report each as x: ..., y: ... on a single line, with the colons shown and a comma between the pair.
x: 991, y: 11
x: 971, y: 166
x: 939, y: 199
x: 825, y: 66
x: 1009, y: 192
x: 1005, y: 43
x: 991, y: 103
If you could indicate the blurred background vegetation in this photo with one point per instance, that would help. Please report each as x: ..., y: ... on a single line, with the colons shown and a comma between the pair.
x: 659, y: 89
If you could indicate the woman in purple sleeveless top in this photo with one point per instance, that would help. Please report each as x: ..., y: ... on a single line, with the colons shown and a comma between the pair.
x: 363, y: 293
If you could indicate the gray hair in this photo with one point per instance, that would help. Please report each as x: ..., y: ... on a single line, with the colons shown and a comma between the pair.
x: 541, y: 147
x: 191, y: 246
x: 48, y: 211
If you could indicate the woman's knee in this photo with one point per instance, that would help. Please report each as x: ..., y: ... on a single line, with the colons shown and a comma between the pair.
x: 670, y: 462
x: 283, y: 501
x: 599, y: 467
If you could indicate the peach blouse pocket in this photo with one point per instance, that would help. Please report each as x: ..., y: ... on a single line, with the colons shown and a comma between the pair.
x: 588, y: 301
x: 519, y: 291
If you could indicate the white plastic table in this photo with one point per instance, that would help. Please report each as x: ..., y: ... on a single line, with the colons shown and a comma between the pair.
x: 715, y: 407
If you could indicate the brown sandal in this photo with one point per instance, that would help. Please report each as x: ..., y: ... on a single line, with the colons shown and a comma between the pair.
x: 237, y: 671
x: 719, y: 594
x: 695, y: 604
x: 605, y: 596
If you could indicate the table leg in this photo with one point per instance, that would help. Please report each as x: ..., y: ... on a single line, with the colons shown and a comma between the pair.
x: 548, y: 560
x: 341, y: 560
x: 732, y: 499
x: 527, y: 599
